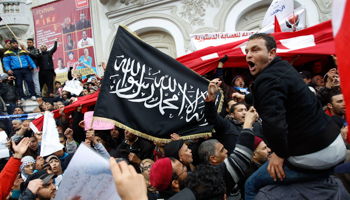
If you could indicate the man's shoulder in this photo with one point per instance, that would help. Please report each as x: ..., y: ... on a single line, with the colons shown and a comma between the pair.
x: 8, y: 52
x: 22, y: 52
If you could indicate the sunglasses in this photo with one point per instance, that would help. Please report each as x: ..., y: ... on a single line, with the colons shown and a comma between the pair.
x: 146, y: 168
x: 184, y: 170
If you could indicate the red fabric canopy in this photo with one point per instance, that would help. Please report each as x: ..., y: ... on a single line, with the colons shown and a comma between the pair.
x: 311, y: 44
x: 86, y: 101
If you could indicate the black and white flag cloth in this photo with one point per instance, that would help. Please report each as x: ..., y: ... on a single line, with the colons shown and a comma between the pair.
x: 151, y: 94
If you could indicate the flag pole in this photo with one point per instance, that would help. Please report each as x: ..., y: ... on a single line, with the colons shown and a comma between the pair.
x: 1, y: 20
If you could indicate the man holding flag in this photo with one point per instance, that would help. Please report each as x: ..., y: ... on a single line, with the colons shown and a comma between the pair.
x: 17, y: 63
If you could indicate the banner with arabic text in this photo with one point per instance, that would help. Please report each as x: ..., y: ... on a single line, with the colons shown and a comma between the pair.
x: 151, y: 94
x: 203, y: 40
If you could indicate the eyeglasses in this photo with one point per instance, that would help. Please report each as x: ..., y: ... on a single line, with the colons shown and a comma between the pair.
x: 146, y: 168
x: 184, y: 170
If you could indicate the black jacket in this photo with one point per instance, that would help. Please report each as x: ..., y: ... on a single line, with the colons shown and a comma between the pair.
x: 45, y: 59
x: 34, y: 53
x: 9, y: 92
x: 293, y: 120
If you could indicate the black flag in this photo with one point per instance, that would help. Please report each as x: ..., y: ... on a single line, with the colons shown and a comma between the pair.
x: 151, y: 94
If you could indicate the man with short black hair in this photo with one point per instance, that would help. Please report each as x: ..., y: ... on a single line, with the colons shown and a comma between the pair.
x: 233, y: 167
x: 83, y: 22
x: 18, y: 110
x: 85, y: 40
x: 134, y: 149
x: 34, y: 51
x: 56, y: 168
x: 227, y: 130
x: 336, y: 104
x: 292, y: 118
x: 206, y: 183
x: 40, y: 186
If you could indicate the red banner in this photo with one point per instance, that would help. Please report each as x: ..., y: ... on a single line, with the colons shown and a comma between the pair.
x: 70, y: 21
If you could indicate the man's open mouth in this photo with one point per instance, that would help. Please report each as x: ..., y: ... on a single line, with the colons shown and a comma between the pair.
x: 251, y: 65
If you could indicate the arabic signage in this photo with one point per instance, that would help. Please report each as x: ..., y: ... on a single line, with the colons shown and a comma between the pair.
x: 203, y: 40
x: 70, y: 21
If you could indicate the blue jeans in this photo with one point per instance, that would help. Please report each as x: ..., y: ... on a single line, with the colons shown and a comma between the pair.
x: 26, y: 75
x: 261, y: 178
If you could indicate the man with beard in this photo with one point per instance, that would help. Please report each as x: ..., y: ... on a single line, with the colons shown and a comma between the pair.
x: 39, y: 186
x: 134, y: 149
x: 17, y: 63
x: 336, y: 104
x: 45, y: 62
x: 260, y: 156
x: 83, y: 23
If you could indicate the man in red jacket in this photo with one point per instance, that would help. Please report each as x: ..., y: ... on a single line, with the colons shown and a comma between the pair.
x: 9, y: 173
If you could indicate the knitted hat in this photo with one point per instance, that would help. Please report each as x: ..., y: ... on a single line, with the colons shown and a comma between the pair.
x: 161, y: 174
x: 172, y: 149
x: 233, y: 80
x: 6, y: 41
x: 13, y: 40
x: 94, y: 88
x: 257, y: 142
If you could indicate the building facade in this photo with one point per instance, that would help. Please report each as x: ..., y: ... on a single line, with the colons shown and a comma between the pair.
x: 164, y: 24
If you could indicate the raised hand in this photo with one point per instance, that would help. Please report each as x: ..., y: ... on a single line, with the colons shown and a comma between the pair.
x: 250, y: 117
x: 21, y: 148
x: 130, y: 185
x: 174, y: 136
x: 213, y: 87
x: 35, y: 185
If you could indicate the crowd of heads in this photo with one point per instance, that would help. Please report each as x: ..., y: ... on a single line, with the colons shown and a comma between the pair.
x: 165, y: 166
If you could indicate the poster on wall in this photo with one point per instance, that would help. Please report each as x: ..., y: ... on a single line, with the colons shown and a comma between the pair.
x: 70, y: 21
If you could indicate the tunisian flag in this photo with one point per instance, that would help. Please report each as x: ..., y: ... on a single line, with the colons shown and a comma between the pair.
x: 88, y: 100
x: 277, y: 26
x: 311, y: 44
x: 341, y: 27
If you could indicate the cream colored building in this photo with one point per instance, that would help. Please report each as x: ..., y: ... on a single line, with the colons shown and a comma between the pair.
x: 164, y: 24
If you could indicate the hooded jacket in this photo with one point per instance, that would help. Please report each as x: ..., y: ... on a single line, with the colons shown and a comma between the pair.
x: 17, y: 59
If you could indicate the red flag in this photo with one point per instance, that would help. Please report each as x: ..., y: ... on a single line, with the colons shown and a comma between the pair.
x: 88, y: 100
x: 311, y: 44
x: 277, y: 26
x: 341, y: 26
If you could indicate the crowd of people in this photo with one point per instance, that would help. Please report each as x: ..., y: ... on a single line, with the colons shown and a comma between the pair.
x: 287, y: 127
